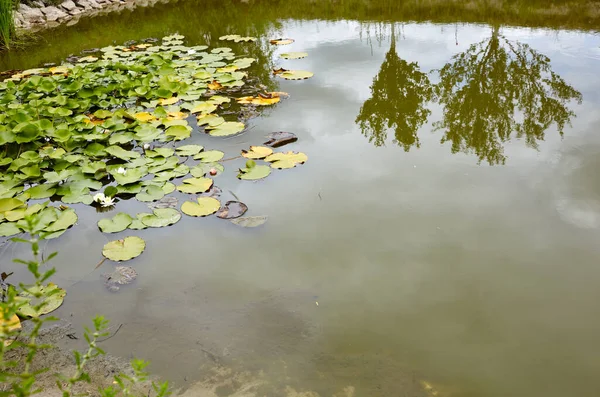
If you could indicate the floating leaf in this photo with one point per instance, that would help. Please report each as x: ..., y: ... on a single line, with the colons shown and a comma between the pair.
x: 281, y: 41
x: 144, y: 117
x: 122, y: 275
x: 118, y: 223
x: 250, y: 221
x: 293, y: 74
x: 280, y: 138
x: 168, y: 101
x: 150, y: 193
x: 210, y: 119
x: 204, y: 108
x: 232, y: 209
x: 203, y: 207
x: 188, y: 150
x: 294, y: 55
x: 209, y: 156
x: 227, y: 128
x: 205, y: 168
x: 195, y: 185
x: 258, y: 101
x: 66, y: 219
x: 257, y: 152
x: 52, y: 298
x: 125, y: 249
x: 286, y: 160
x: 237, y: 38
x: 9, y: 229
x: 215, y: 85
x: 254, y: 173
x: 137, y: 223
x: 178, y: 132
x: 121, y: 153
x: 162, y: 217
x: 8, y: 204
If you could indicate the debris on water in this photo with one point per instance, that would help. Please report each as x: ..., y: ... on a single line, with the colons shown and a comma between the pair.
x: 280, y: 138
x: 232, y: 209
x: 122, y: 275
x: 165, y: 202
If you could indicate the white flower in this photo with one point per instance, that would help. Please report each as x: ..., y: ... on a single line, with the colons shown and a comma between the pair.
x: 191, y: 52
x: 121, y: 171
x: 104, y: 201
x: 146, y: 146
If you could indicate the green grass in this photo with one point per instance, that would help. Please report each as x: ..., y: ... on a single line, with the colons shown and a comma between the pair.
x: 7, y: 23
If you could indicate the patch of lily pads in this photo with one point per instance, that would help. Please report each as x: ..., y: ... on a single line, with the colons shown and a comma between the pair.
x: 111, y: 126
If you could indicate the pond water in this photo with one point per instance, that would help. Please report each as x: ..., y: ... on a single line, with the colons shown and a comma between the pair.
x: 444, y: 229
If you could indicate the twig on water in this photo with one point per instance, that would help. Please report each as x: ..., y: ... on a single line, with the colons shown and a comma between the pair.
x: 105, y: 339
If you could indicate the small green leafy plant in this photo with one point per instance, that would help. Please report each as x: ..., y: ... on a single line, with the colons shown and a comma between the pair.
x: 39, y: 298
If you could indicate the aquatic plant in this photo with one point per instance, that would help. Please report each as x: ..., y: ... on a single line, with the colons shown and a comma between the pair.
x: 7, y: 23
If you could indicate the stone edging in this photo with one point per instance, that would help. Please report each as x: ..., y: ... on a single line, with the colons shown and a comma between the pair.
x: 41, y: 16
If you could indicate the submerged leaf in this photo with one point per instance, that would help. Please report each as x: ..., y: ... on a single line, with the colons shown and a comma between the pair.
x: 122, y: 275
x: 250, y: 221
x: 232, y: 209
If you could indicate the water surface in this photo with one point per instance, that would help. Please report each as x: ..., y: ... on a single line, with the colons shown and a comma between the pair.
x: 446, y: 223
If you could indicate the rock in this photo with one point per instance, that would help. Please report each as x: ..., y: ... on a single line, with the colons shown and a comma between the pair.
x: 85, y: 4
x: 94, y: 4
x: 31, y: 15
x: 76, y: 11
x: 53, y: 14
x: 68, y: 5
x: 39, y: 4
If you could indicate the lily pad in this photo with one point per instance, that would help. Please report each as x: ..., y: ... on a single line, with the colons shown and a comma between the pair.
x: 66, y: 219
x: 116, y: 224
x: 9, y: 229
x: 162, y: 217
x: 52, y: 298
x: 195, y: 185
x: 188, y: 150
x: 232, y: 209
x: 250, y: 221
x: 254, y: 173
x: 125, y: 249
x: 209, y: 156
x: 226, y: 129
x: 237, y: 38
x: 203, y: 206
x: 294, y: 55
x: 257, y: 152
x: 122, y: 275
x: 202, y: 169
x: 178, y: 132
x: 281, y: 41
x: 295, y: 74
x: 8, y: 327
x: 286, y: 160
x: 150, y: 193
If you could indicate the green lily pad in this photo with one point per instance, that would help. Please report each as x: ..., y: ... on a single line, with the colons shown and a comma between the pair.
x: 254, y: 173
x: 41, y: 191
x: 116, y: 224
x: 52, y: 298
x: 178, y: 132
x: 150, y: 193
x: 286, y: 160
x: 296, y: 75
x: 66, y: 219
x: 294, y: 55
x: 209, y: 156
x: 226, y: 129
x: 203, y: 206
x: 162, y: 217
x: 137, y: 224
x: 125, y: 249
x: 195, y: 185
x: 8, y: 204
x: 188, y: 150
x: 119, y: 152
x: 203, y: 169
x: 9, y: 229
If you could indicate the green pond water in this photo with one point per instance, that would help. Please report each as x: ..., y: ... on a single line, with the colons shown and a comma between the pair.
x: 445, y: 228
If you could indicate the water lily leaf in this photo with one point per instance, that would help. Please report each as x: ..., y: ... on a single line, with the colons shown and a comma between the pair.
x: 52, y: 298
x: 281, y: 41
x: 294, y: 55
x: 160, y: 152
x: 254, y: 173
x: 209, y: 156
x: 204, y: 108
x: 168, y: 101
x: 202, y: 169
x: 188, y: 150
x: 227, y: 128
x: 215, y: 85
x: 257, y: 152
x: 294, y: 74
x: 9, y: 229
x: 125, y: 249
x: 232, y: 209
x: 121, y: 153
x: 219, y: 99
x: 203, y: 207
x: 249, y: 221
x: 137, y: 224
x: 195, y: 185
x: 66, y: 219
x: 150, y: 193
x: 211, y: 120
x: 8, y: 327
x: 237, y: 38
x: 132, y: 188
x: 178, y: 132
x: 144, y: 117
x: 280, y: 138
x: 102, y: 114
x: 131, y: 175
x: 8, y: 204
x: 258, y: 101
x: 122, y: 275
x: 286, y: 160
x: 162, y: 217
x: 116, y: 224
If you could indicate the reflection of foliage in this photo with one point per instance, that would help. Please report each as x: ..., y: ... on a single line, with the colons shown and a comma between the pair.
x: 498, y: 87
x: 399, y: 93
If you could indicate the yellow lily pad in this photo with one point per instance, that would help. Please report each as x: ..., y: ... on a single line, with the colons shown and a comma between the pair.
x: 286, y: 160
x: 257, y: 152
x: 203, y: 206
